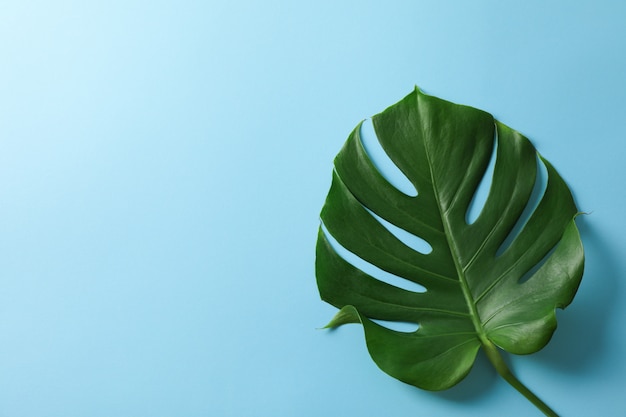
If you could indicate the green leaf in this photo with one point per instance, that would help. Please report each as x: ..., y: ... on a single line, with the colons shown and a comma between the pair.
x: 493, y: 282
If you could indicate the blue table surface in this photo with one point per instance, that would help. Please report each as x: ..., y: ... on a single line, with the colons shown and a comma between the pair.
x: 162, y: 169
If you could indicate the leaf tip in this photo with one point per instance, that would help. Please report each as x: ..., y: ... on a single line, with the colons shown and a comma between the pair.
x: 348, y: 314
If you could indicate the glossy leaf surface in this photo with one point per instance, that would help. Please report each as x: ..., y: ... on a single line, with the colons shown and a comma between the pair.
x: 494, y: 281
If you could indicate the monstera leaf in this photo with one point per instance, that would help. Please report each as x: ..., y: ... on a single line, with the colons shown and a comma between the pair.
x: 490, y: 283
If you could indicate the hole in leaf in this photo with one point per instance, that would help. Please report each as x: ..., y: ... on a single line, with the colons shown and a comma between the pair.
x: 398, y: 326
x: 482, y: 191
x: 382, y: 162
x: 537, y: 266
x: 371, y: 269
x: 541, y: 182
x: 412, y: 241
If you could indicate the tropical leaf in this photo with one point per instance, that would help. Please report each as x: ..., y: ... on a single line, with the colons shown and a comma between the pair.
x: 492, y: 283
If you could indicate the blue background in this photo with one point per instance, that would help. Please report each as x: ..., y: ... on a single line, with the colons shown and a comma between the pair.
x: 162, y: 168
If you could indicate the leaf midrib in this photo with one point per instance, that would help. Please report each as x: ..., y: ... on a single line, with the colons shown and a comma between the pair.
x: 469, y: 299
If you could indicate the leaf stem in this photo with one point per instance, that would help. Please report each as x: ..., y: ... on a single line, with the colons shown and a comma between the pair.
x: 498, y: 362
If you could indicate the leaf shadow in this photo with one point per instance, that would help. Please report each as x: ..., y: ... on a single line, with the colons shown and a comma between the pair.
x: 589, y: 312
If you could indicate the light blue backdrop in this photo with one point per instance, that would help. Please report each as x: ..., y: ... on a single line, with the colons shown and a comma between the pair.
x: 162, y: 168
